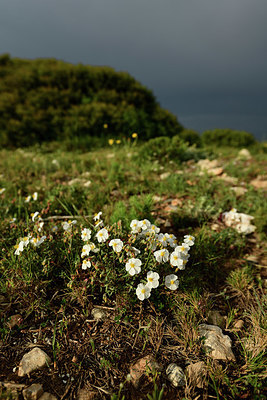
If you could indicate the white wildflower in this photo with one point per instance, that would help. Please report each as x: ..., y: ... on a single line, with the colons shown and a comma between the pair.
x: 116, y: 244
x: 97, y: 216
x: 143, y: 291
x: 171, y: 281
x: 145, y: 224
x: 34, y: 215
x: 86, y: 264
x: 102, y: 235
x: 189, y: 240
x: 19, y: 248
x: 133, y: 266
x: 35, y: 196
x: 86, y: 234
x: 152, y: 279
x: 161, y: 255
x: 86, y: 250
x: 135, y: 226
x: 183, y: 249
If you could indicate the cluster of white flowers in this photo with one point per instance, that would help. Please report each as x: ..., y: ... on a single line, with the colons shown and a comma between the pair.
x: 178, y: 258
x: 86, y: 234
x: 34, y: 197
x: 149, y: 236
x: 239, y: 221
x: 35, y: 241
x: 23, y: 243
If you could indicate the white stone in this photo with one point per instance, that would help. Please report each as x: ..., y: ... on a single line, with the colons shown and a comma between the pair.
x: 98, y: 314
x: 165, y: 175
x: 175, y: 375
x: 35, y: 359
x: 245, y: 154
x: 216, y: 344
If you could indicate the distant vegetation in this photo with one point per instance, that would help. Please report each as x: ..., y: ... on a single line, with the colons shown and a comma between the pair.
x: 228, y: 137
x: 46, y: 99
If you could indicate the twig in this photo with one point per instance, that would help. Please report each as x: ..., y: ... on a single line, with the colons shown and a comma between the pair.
x: 55, y: 217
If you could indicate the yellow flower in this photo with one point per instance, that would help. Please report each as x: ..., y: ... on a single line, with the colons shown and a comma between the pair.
x: 118, y: 141
x: 110, y: 141
x: 134, y: 135
x: 105, y: 126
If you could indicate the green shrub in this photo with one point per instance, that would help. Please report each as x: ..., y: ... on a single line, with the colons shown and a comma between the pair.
x: 165, y: 148
x: 46, y: 100
x: 190, y: 136
x: 228, y: 137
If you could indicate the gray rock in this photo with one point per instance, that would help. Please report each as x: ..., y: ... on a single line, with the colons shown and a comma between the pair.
x: 33, y: 392
x: 35, y: 359
x: 175, y: 375
x: 216, y: 344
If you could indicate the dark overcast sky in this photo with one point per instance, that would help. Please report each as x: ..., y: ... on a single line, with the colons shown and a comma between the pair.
x: 205, y: 60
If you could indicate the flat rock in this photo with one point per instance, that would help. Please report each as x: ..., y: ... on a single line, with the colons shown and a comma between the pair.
x: 33, y: 392
x: 216, y: 344
x: 197, y: 373
x: 259, y: 183
x: 208, y: 164
x: 239, y: 190
x: 85, y: 394
x: 34, y: 360
x: 47, y: 396
x: 215, y: 171
x: 229, y: 179
x: 98, y: 314
x: 142, y: 366
x: 175, y: 375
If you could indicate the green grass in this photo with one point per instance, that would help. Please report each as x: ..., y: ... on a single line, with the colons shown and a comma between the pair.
x: 54, y: 296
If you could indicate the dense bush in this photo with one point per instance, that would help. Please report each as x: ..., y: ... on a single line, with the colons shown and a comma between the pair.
x: 228, y: 137
x: 165, y: 148
x: 46, y: 99
x: 190, y: 136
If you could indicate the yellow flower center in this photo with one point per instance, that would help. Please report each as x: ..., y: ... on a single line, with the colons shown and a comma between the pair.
x: 150, y: 279
x: 162, y: 253
x: 172, y: 282
x: 143, y: 291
